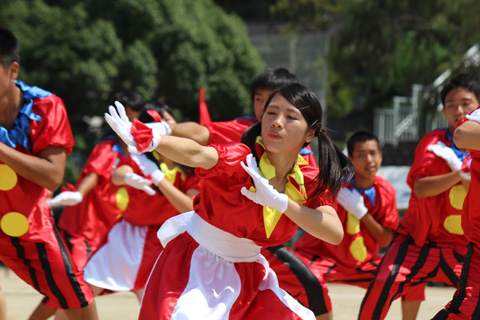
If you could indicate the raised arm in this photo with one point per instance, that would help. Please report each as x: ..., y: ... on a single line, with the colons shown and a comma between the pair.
x: 187, y: 152
x: 153, y: 137
x: 467, y: 135
x: 191, y: 130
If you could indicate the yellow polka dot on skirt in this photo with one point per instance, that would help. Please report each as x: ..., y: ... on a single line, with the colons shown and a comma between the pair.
x: 8, y: 178
x: 14, y: 224
x: 122, y: 198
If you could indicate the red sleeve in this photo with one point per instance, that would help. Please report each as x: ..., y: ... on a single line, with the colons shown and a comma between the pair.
x: 228, y: 131
x: 465, y: 119
x: 192, y: 182
x: 387, y: 214
x: 54, y: 128
x: 100, y: 161
x: 127, y: 161
x: 229, y: 157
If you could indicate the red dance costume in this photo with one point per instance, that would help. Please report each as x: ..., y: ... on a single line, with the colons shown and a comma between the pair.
x: 124, y: 261
x: 85, y: 225
x: 465, y: 303
x: 305, y: 271
x: 211, y: 267
x: 31, y: 244
x: 430, y: 243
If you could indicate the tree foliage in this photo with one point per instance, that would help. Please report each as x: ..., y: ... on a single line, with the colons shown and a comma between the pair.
x: 380, y: 48
x: 84, y: 51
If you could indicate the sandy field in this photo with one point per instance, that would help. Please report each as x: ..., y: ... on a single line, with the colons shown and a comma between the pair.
x: 22, y: 299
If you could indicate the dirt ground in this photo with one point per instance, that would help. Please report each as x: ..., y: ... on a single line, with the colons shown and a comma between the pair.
x: 22, y: 299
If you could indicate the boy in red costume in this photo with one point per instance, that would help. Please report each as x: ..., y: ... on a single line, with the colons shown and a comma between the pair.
x: 430, y: 243
x: 465, y: 303
x: 35, y: 137
x: 368, y: 212
x: 94, y: 204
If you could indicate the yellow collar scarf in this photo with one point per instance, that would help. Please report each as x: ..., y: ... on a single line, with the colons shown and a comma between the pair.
x: 297, y: 193
x: 171, y: 175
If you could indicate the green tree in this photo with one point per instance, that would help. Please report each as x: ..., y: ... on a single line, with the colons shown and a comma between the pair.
x: 380, y: 48
x: 84, y: 51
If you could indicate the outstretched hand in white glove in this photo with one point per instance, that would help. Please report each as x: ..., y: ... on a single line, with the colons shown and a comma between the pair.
x: 264, y: 194
x: 65, y: 198
x: 138, y: 182
x: 139, y: 137
x: 352, y: 201
x: 149, y: 167
x: 119, y: 123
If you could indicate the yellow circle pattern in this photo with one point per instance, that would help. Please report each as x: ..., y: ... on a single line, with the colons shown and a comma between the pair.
x: 453, y: 224
x: 8, y: 178
x: 14, y: 224
x: 122, y: 198
x: 457, y: 196
x: 353, y: 224
x: 358, y: 249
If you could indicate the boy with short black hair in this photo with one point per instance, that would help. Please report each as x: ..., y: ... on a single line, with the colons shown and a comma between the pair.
x: 35, y: 137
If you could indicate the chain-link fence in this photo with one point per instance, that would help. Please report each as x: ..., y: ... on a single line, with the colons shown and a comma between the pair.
x: 304, y: 54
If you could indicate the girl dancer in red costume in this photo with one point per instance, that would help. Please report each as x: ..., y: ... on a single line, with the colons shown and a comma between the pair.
x: 211, y: 267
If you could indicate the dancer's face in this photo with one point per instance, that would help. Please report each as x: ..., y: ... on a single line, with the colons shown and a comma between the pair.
x: 458, y: 103
x: 259, y: 98
x: 284, y: 129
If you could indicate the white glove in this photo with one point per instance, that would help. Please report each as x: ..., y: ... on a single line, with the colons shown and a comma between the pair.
x: 119, y: 123
x: 352, y: 201
x: 447, y: 154
x: 265, y: 194
x: 122, y: 126
x: 149, y: 167
x: 66, y: 198
x: 158, y: 128
x: 140, y: 183
x: 474, y: 116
